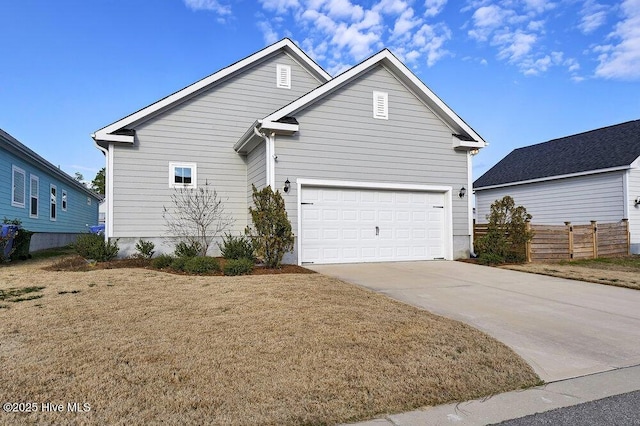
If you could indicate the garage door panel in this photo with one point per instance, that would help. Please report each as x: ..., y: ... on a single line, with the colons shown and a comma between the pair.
x: 339, y: 225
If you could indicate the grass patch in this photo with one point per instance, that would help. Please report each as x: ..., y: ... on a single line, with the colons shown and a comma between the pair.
x: 627, y: 262
x: 53, y: 252
x: 616, y: 271
x: 18, y: 294
x: 249, y: 350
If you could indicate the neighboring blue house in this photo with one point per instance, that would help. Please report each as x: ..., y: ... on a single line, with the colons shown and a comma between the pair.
x: 48, y: 201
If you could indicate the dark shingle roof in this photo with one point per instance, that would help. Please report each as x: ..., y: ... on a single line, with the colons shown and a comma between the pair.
x: 613, y: 146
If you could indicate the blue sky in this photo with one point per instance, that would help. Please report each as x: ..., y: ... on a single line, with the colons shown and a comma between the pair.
x: 519, y: 72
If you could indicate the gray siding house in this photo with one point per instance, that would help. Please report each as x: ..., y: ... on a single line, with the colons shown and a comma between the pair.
x: 589, y: 176
x: 371, y: 163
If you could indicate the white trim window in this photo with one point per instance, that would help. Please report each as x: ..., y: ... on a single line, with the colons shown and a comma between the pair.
x: 34, y: 198
x: 64, y: 200
x: 18, y: 185
x: 183, y: 175
x: 381, y: 105
x: 283, y: 76
x: 53, y: 202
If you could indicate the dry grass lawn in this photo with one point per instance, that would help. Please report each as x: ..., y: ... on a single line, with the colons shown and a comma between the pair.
x: 621, y: 272
x: 142, y: 346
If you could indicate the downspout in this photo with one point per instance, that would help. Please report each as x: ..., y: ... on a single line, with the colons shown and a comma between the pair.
x: 107, y: 201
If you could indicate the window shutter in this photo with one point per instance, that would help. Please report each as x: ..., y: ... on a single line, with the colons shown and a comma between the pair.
x: 381, y: 105
x: 283, y: 76
x: 18, y: 187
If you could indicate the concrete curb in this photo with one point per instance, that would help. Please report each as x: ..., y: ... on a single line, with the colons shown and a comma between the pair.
x: 516, y: 404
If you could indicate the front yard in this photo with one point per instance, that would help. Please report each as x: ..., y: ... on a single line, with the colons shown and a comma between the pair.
x: 621, y: 271
x: 139, y: 346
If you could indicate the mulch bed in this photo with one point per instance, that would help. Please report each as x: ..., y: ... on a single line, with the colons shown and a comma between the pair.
x: 77, y: 263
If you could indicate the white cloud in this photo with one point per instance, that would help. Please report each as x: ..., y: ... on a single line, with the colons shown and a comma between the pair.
x: 433, y: 7
x: 539, y: 6
x: 404, y: 24
x: 268, y: 33
x: 344, y: 9
x: 621, y: 60
x: 594, y: 15
x: 280, y: 6
x: 341, y: 32
x: 513, y: 45
x: 212, y: 5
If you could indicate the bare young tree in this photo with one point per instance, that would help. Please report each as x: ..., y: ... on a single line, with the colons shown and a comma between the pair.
x: 196, y: 217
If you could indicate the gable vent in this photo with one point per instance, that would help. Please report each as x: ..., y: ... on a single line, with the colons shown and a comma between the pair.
x: 381, y: 105
x: 283, y: 76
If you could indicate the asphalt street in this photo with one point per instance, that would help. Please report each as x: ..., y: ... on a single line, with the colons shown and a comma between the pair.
x: 618, y: 410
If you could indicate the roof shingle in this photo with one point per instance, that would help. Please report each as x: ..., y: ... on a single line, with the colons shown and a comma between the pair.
x: 608, y: 147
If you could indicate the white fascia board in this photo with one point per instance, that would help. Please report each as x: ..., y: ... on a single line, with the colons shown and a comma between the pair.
x: 285, y: 44
x: 104, y: 137
x: 249, y: 140
x: 280, y: 128
x: 546, y: 179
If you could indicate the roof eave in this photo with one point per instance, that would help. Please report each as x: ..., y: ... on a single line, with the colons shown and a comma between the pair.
x: 550, y: 178
x: 249, y: 140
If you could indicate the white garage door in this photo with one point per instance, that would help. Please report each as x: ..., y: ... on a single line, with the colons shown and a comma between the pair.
x: 340, y: 225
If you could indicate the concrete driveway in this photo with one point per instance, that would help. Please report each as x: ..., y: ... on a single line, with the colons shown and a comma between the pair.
x: 562, y: 328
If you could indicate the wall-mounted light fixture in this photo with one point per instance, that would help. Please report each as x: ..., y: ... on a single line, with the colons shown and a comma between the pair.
x: 287, y: 186
x: 637, y: 202
x: 463, y: 192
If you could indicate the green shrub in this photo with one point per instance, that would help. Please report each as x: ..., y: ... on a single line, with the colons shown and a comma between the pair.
x: 490, y: 259
x: 272, y: 236
x: 162, y: 261
x: 239, y: 247
x: 93, y: 246
x: 187, y: 250
x: 507, y: 232
x: 144, y: 249
x: 242, y: 266
x: 202, y: 265
x: 3, y: 244
x: 178, y: 263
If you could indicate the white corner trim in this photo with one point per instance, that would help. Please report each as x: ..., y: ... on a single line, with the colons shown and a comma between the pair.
x: 448, y: 199
x: 469, y: 197
x: 625, y: 194
x: 109, y: 192
x: 270, y: 154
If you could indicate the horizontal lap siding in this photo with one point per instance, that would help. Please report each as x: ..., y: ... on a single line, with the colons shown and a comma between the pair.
x: 339, y: 139
x: 201, y: 130
x: 256, y: 171
x: 634, y: 210
x: 577, y: 200
x: 75, y: 219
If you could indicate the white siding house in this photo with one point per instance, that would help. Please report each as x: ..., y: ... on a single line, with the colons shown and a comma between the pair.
x: 589, y: 176
x: 384, y: 157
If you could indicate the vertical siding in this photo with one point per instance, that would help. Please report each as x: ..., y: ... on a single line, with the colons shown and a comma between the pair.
x: 74, y: 220
x: 339, y: 139
x: 578, y: 199
x: 634, y: 211
x: 256, y: 170
x: 202, y: 130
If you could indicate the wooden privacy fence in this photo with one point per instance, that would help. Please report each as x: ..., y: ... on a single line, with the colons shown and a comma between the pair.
x: 569, y: 242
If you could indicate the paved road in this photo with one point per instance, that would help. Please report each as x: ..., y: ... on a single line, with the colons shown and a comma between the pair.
x: 562, y: 328
x: 619, y: 410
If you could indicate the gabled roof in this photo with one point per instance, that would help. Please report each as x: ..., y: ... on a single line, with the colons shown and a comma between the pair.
x: 118, y: 132
x: 12, y: 145
x: 459, y: 128
x: 608, y: 148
